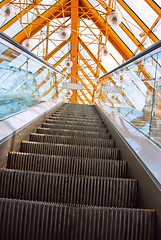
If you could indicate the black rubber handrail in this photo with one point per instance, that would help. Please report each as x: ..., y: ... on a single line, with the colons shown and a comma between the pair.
x: 150, y: 50
x: 25, y: 50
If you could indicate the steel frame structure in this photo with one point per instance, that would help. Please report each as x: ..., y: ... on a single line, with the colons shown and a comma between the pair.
x: 89, y: 31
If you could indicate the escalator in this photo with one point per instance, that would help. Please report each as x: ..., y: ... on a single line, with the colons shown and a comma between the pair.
x: 68, y: 181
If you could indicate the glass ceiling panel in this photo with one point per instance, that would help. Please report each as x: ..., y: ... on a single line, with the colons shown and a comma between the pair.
x: 143, y: 10
x: 129, y: 43
x: 157, y: 29
x: 130, y: 23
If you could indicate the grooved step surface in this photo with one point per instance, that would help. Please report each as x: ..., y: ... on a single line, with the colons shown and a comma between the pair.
x: 71, y: 140
x: 70, y: 150
x: 67, y: 165
x: 75, y: 119
x: 92, y: 117
x: 22, y: 220
x: 71, y: 127
x: 80, y: 123
x: 67, y: 180
x: 76, y: 133
x: 83, y: 190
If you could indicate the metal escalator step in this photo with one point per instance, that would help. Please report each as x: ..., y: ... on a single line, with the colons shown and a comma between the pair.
x: 71, y: 189
x: 27, y: 220
x: 35, y: 137
x: 76, y: 117
x: 86, y: 116
x: 67, y: 165
x: 76, y: 133
x: 70, y: 150
x: 74, y: 123
x: 76, y: 120
x: 71, y: 127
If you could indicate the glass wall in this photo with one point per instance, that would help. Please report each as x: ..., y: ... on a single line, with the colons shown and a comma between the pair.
x: 24, y: 80
x: 134, y: 91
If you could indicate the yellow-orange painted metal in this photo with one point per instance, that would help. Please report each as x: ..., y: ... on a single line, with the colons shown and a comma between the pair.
x: 132, y: 36
x: 56, y: 94
x: 55, y: 30
x: 84, y: 85
x: 91, y: 55
x: 123, y: 27
x: 84, y: 95
x: 138, y: 21
x: 56, y: 49
x: 19, y: 15
x: 85, y: 75
x: 4, y: 2
x: 40, y: 22
x: 74, y: 44
x: 86, y: 63
x: 154, y: 6
x: 80, y: 98
x: 115, y: 40
x: 61, y: 59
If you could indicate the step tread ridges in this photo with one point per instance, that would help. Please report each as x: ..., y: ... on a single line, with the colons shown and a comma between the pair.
x: 83, y: 190
x: 40, y: 221
x: 67, y: 165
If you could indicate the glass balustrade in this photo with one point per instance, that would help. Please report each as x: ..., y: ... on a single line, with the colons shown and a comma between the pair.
x: 25, y: 80
x: 134, y: 91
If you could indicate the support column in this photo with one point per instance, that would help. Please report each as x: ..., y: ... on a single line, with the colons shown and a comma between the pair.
x: 74, y: 44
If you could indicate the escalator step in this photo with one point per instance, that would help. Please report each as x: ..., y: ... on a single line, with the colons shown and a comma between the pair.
x: 76, y: 133
x: 50, y: 120
x: 75, y: 119
x: 35, y: 137
x: 78, y: 128
x: 94, y: 116
x: 67, y: 165
x: 70, y: 150
x: 25, y: 220
x: 82, y: 190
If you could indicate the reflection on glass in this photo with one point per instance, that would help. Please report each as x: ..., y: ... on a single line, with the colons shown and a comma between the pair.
x: 24, y: 81
x: 135, y: 92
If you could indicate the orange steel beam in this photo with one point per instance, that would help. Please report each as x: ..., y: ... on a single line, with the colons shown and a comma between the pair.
x: 46, y: 58
x: 91, y: 55
x: 19, y: 15
x: 86, y: 63
x: 124, y: 28
x: 84, y: 85
x: 132, y: 36
x: 154, y: 24
x: 84, y: 95
x: 85, y: 75
x: 154, y: 6
x: 74, y: 44
x: 56, y: 94
x: 80, y: 98
x: 62, y: 59
x: 36, y: 25
x: 138, y: 20
x: 49, y: 35
x: 4, y: 2
x: 115, y: 40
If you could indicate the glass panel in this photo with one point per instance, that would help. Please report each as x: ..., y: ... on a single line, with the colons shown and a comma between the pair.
x: 143, y: 10
x: 135, y: 92
x: 157, y: 29
x: 24, y: 81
